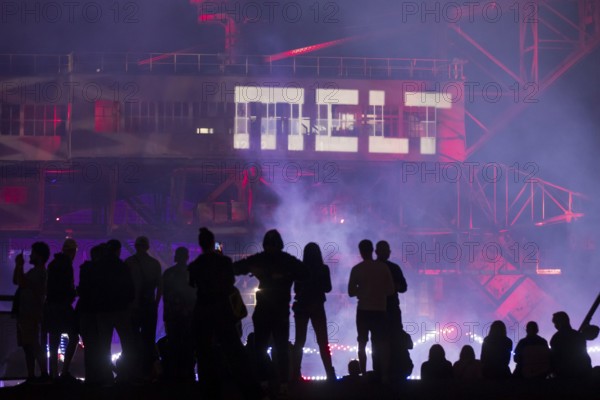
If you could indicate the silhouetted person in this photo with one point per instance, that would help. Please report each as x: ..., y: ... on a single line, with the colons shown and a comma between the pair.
x: 371, y: 282
x: 59, y: 316
x: 146, y: 273
x: 276, y: 271
x: 467, y: 367
x: 353, y: 372
x: 112, y: 292
x: 179, y: 299
x: 532, y: 355
x: 97, y: 368
x: 436, y: 367
x: 309, y: 305
x: 120, y: 316
x: 32, y: 294
x: 211, y: 273
x: 400, y: 362
x: 495, y: 352
x: 568, y: 350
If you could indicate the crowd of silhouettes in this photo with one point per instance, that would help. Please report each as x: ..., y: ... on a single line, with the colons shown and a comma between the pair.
x: 535, y: 360
x: 202, y: 316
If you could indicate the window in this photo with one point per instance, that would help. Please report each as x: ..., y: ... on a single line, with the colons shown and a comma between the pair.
x: 277, y: 109
x: 44, y: 120
x: 336, y: 111
x: 106, y: 116
x: 10, y: 119
x: 242, y: 119
x: 145, y: 116
x: 421, y: 121
x: 375, y: 116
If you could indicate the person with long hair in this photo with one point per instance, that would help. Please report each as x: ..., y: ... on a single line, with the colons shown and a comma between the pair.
x: 436, y: 367
x: 309, y: 306
x: 467, y: 367
x: 496, y: 352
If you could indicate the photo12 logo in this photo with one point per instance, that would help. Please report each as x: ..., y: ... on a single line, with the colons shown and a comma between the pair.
x: 457, y: 12
x: 69, y: 12
x: 252, y: 12
x: 67, y: 92
x: 270, y: 171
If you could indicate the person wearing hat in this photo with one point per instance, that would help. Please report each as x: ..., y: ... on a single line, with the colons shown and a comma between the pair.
x: 59, y: 316
x: 147, y: 279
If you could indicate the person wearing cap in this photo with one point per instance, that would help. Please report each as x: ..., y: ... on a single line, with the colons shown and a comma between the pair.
x: 59, y: 316
x: 146, y: 273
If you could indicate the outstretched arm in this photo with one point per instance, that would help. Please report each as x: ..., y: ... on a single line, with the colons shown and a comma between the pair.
x: 243, y: 266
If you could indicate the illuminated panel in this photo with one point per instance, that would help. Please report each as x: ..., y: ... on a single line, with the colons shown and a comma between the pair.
x: 337, y: 96
x: 428, y: 145
x: 426, y: 99
x: 330, y: 119
x: 380, y: 144
x: 268, y: 142
x: 295, y: 142
x: 548, y: 271
x: 241, y: 141
x: 376, y: 98
x: 268, y: 96
x: 336, y: 143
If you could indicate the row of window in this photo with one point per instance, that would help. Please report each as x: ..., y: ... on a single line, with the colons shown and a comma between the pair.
x: 33, y: 119
x: 145, y: 116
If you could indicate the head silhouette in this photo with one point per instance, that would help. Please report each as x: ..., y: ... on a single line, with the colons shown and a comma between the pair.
x: 467, y: 353
x: 312, y: 255
x: 382, y: 249
x: 142, y: 244
x: 40, y: 253
x: 532, y: 328
x: 272, y: 242
x: 437, y: 353
x: 206, y: 240
x: 353, y: 368
x: 113, y: 247
x: 497, y: 329
x: 365, y: 247
x: 561, y: 320
x: 69, y: 248
x: 182, y: 255
x: 98, y: 252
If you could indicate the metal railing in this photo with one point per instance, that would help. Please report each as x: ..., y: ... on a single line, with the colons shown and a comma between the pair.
x: 219, y: 64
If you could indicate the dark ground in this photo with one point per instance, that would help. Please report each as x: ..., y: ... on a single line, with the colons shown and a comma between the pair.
x: 509, y: 390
